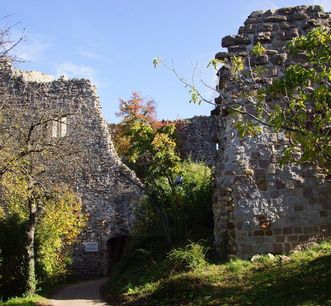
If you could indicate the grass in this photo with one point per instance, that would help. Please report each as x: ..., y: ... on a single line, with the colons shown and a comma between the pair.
x: 302, y: 278
x: 31, y: 300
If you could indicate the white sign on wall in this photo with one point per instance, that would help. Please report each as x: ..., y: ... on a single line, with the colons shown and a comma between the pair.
x: 91, y: 246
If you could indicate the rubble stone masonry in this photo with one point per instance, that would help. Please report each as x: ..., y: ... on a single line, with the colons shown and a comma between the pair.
x: 196, y: 139
x: 259, y: 206
x: 109, y: 190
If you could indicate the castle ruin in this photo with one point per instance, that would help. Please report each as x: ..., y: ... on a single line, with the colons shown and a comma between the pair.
x: 109, y: 190
x: 259, y: 206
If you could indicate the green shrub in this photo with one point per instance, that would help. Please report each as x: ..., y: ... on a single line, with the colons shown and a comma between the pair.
x: 187, y: 207
x: 191, y: 257
x: 12, y: 256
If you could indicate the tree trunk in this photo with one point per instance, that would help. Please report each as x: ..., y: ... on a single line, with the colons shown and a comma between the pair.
x: 30, y: 246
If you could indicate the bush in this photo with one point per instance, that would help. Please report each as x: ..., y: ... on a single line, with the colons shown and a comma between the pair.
x: 187, y: 206
x: 12, y: 256
x: 191, y: 257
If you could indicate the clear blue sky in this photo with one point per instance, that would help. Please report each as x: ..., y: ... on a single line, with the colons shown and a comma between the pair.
x: 114, y: 42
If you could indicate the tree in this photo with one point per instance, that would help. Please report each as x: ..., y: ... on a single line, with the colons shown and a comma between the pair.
x: 30, y: 194
x: 51, y: 219
x: 29, y: 156
x: 298, y: 103
x: 8, y: 45
x: 136, y: 109
x: 151, y: 151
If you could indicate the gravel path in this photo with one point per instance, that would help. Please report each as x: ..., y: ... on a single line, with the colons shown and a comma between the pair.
x: 85, y: 293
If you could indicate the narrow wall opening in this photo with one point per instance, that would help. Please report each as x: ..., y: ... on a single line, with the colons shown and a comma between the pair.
x: 115, y: 250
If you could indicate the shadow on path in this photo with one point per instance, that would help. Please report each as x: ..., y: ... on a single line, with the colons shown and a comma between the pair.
x: 80, y: 294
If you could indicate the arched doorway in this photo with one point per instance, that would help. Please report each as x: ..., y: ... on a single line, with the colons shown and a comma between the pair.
x: 115, y: 250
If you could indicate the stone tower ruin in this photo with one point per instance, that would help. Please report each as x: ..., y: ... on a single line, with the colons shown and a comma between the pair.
x: 259, y: 206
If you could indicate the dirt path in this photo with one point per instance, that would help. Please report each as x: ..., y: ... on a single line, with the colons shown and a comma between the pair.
x: 85, y: 293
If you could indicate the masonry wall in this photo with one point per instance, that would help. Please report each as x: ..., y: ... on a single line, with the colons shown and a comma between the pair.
x: 259, y: 206
x: 109, y: 190
x: 196, y: 139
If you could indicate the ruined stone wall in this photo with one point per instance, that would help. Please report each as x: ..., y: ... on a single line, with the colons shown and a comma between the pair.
x: 195, y: 139
x: 259, y: 206
x: 109, y: 190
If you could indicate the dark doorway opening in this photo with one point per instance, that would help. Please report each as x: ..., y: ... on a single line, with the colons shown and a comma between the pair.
x: 115, y: 250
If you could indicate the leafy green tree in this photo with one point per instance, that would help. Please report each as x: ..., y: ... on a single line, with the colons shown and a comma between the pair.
x: 136, y: 110
x: 27, y: 162
x: 299, y: 102
x: 57, y: 221
x: 171, y: 185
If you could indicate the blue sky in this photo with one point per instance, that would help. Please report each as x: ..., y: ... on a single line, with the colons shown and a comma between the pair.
x: 114, y: 43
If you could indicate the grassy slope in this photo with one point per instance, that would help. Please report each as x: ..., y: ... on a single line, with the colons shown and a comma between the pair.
x: 143, y: 278
x: 26, y: 301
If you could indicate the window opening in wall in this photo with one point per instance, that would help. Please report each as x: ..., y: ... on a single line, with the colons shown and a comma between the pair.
x: 60, y: 127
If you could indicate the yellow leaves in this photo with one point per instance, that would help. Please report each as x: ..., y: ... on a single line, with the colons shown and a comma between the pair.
x: 162, y: 141
x: 237, y: 64
x: 59, y: 227
x: 2, y: 214
x: 215, y: 63
x: 258, y: 49
x: 15, y: 193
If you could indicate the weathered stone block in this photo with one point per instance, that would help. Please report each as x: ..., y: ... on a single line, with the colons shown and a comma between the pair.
x: 256, y: 14
x: 263, y: 163
x: 277, y: 248
x: 280, y: 238
x: 274, y: 194
x: 222, y: 55
x: 277, y: 231
x: 258, y: 233
x: 237, y: 49
x: 269, y: 72
x: 314, y: 8
x: 271, y: 169
x: 289, y: 184
x: 262, y: 37
x: 246, y: 249
x: 297, y: 16
x: 308, y: 230
x: 292, y: 238
x: 323, y: 214
x: 299, y: 208
x: 298, y: 230
x: 279, y: 59
x: 287, y: 247
x: 289, y: 34
x: 271, y: 52
x: 285, y: 25
x: 259, y: 60
x: 268, y: 233
x: 250, y: 28
x: 230, y: 40
x: 268, y: 13
x: 288, y: 230
x: 303, y: 238
x: 276, y: 18
x: 309, y: 24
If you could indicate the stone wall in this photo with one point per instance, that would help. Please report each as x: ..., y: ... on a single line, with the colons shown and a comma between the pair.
x: 109, y: 190
x: 196, y: 139
x: 259, y: 206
